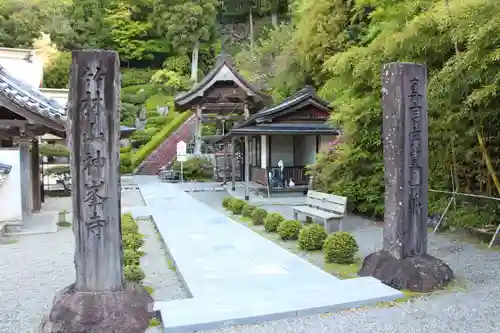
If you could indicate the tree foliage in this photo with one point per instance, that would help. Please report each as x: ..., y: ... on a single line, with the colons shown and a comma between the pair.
x: 340, y: 46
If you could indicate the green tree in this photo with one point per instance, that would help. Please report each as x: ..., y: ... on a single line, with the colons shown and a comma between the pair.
x: 20, y: 23
x: 87, y: 26
x: 56, y: 74
x: 184, y: 23
x: 127, y: 36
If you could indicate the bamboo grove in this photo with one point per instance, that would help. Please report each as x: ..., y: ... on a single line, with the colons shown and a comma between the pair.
x: 340, y: 46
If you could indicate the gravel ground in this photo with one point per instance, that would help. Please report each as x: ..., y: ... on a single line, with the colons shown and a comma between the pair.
x: 471, y: 305
x: 160, y: 274
x: 35, y: 267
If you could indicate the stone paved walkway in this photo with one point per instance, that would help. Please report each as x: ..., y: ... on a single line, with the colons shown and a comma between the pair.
x: 236, y: 276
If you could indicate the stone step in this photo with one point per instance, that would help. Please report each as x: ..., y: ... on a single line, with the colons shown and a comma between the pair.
x: 204, y: 313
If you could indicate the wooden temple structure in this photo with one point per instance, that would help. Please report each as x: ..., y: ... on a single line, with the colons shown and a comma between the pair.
x: 276, y: 142
x: 282, y: 140
x: 225, y: 97
x: 26, y: 114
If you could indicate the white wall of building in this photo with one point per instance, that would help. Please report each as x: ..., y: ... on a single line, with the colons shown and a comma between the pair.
x: 14, y: 60
x: 10, y: 189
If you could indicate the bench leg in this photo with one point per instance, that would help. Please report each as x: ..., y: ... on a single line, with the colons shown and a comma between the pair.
x: 332, y: 225
x: 295, y: 215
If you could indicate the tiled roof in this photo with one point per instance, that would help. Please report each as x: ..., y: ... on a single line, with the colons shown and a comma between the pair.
x: 222, y: 71
x: 30, y: 98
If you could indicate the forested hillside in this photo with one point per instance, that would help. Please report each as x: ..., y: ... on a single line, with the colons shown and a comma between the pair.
x: 338, y: 46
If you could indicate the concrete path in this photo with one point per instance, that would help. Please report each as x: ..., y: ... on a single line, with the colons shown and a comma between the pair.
x: 236, y: 276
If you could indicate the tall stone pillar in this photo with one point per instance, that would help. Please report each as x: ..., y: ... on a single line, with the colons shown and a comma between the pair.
x: 99, y: 300
x: 404, y: 263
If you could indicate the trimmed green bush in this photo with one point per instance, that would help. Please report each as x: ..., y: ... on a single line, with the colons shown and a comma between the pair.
x: 158, y: 138
x: 133, y: 273
x: 248, y: 211
x: 131, y: 257
x: 289, y: 229
x: 312, y: 237
x: 340, y: 248
x: 195, y: 168
x: 258, y: 216
x: 227, y: 201
x: 132, y: 241
x: 237, y: 206
x: 272, y: 221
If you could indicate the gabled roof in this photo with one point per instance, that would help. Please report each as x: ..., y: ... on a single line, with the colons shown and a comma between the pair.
x: 303, y: 97
x: 31, y: 100
x: 37, y: 103
x: 223, y: 71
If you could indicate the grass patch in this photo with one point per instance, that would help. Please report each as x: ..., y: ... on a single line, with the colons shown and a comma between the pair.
x: 154, y: 322
x: 149, y: 289
x: 344, y: 271
x: 171, y: 265
x: 64, y: 224
x: 8, y: 241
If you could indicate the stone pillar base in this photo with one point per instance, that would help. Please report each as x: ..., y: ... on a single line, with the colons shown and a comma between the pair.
x: 419, y: 274
x: 72, y: 311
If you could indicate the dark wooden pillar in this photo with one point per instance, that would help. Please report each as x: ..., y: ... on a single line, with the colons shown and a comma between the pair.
x: 35, y: 176
x: 224, y: 164
x: 233, y: 164
x: 247, y: 158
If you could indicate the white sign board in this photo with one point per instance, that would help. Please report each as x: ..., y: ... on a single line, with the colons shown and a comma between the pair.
x: 181, y: 151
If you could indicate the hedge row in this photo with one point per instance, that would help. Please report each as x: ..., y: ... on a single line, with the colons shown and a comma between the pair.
x: 339, y: 247
x: 158, y: 138
x: 132, y: 241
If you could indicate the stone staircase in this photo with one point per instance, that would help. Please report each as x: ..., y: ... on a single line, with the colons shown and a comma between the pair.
x: 167, y: 150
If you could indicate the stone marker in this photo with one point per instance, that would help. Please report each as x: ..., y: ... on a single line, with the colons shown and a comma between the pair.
x: 404, y: 263
x: 100, y: 300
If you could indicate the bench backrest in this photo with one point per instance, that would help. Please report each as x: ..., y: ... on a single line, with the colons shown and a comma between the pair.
x: 324, y: 201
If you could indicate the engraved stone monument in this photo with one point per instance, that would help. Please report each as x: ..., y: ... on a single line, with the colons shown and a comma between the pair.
x: 100, y: 300
x: 404, y: 262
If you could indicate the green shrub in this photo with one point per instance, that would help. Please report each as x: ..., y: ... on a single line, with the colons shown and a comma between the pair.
x: 248, y: 211
x: 272, y: 221
x: 289, y: 229
x: 312, y: 237
x: 258, y: 216
x: 158, y: 138
x: 129, y: 227
x: 53, y: 150
x: 227, y: 201
x: 124, y: 150
x: 340, y: 248
x: 140, y: 138
x: 56, y: 74
x: 136, y: 76
x: 132, y: 241
x: 237, y: 206
x: 133, y: 273
x: 125, y: 163
x: 195, y: 168
x: 148, y: 90
x: 131, y: 257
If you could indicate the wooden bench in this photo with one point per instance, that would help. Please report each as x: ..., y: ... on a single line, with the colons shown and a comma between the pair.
x: 328, y: 208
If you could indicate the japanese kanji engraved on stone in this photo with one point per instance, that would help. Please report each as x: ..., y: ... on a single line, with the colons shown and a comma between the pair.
x: 404, y: 262
x: 100, y: 300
